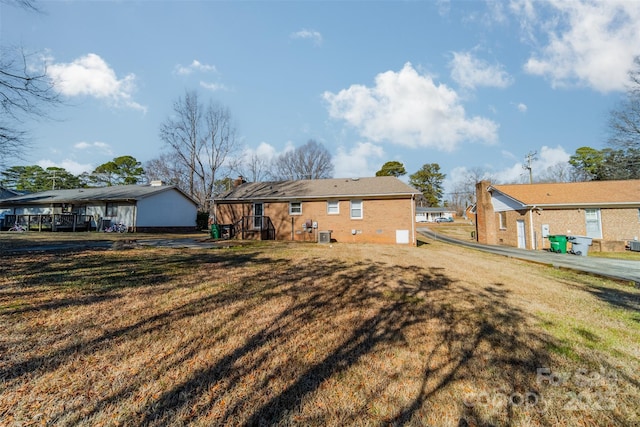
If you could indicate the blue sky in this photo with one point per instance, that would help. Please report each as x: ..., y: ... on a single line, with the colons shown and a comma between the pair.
x: 467, y: 85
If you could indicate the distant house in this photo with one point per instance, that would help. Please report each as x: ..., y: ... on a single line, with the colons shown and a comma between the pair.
x: 374, y: 210
x: 5, y: 193
x: 524, y: 215
x: 141, y: 208
x: 432, y: 214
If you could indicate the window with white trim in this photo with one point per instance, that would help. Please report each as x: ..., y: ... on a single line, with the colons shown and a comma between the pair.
x: 356, y: 209
x: 503, y: 220
x: 593, y: 223
x: 295, y: 208
x: 333, y: 207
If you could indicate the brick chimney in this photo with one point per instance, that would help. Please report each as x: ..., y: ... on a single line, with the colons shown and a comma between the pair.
x: 238, y: 181
x: 485, y: 216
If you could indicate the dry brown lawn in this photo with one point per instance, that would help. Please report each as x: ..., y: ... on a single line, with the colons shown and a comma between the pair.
x: 307, y: 334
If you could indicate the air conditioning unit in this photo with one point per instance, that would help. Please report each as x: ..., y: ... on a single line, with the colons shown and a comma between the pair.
x: 324, y: 237
x: 634, y: 245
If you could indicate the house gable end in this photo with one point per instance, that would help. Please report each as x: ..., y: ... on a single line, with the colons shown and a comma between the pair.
x: 502, y: 203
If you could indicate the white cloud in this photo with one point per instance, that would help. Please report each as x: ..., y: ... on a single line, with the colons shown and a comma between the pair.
x: 214, y: 87
x: 513, y: 174
x: 444, y: 7
x: 90, y: 75
x: 589, y: 42
x: 522, y: 107
x: 508, y: 154
x: 71, y: 166
x: 100, y: 147
x: 470, y: 72
x: 194, y: 66
x: 549, y: 156
x: 409, y: 109
x: 312, y: 35
x: 264, y: 151
x: 357, y: 161
x: 546, y: 158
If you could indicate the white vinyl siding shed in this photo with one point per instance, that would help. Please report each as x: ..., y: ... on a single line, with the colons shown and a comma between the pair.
x: 176, y: 209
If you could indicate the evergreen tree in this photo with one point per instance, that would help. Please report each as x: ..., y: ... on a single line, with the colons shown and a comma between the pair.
x: 392, y: 168
x: 428, y: 180
x: 123, y: 170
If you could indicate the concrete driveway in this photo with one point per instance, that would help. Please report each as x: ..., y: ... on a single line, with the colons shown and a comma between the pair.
x: 613, y: 268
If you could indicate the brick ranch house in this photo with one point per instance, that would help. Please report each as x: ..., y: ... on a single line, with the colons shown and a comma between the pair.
x: 523, y: 215
x: 372, y: 210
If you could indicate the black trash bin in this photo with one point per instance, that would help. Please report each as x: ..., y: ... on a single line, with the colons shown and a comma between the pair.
x: 226, y: 231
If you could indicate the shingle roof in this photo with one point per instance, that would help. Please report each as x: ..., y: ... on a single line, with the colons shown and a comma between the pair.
x: 82, y: 195
x: 380, y: 186
x: 5, y: 193
x: 433, y: 210
x: 574, y: 193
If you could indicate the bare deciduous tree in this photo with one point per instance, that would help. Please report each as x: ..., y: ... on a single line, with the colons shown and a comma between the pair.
x: 255, y: 168
x: 464, y: 190
x: 310, y: 161
x: 624, y: 121
x: 203, y: 141
x: 23, y: 93
x: 218, y: 147
x: 181, y: 132
x: 25, y: 4
x: 167, y: 168
x: 560, y: 172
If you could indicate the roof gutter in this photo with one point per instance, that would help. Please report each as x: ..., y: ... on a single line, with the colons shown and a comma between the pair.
x: 322, y: 197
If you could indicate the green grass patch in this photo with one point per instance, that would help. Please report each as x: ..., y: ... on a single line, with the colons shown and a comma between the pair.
x: 626, y: 255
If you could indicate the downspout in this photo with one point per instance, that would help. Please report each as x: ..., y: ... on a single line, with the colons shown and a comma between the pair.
x: 135, y: 217
x: 531, y: 230
x: 413, y: 219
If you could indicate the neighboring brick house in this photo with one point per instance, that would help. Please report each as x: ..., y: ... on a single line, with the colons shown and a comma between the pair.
x: 523, y: 215
x: 373, y: 210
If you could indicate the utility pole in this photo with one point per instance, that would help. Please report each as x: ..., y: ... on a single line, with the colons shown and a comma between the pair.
x: 529, y: 158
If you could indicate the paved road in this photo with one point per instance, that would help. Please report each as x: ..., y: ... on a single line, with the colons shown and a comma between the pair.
x: 614, y: 268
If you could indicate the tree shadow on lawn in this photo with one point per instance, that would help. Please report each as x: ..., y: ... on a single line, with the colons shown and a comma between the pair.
x: 456, y: 333
x: 484, y: 340
x: 616, y: 297
x: 60, y: 283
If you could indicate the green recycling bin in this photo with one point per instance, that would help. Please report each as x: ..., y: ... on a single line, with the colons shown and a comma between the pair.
x: 215, y: 231
x: 558, y: 243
